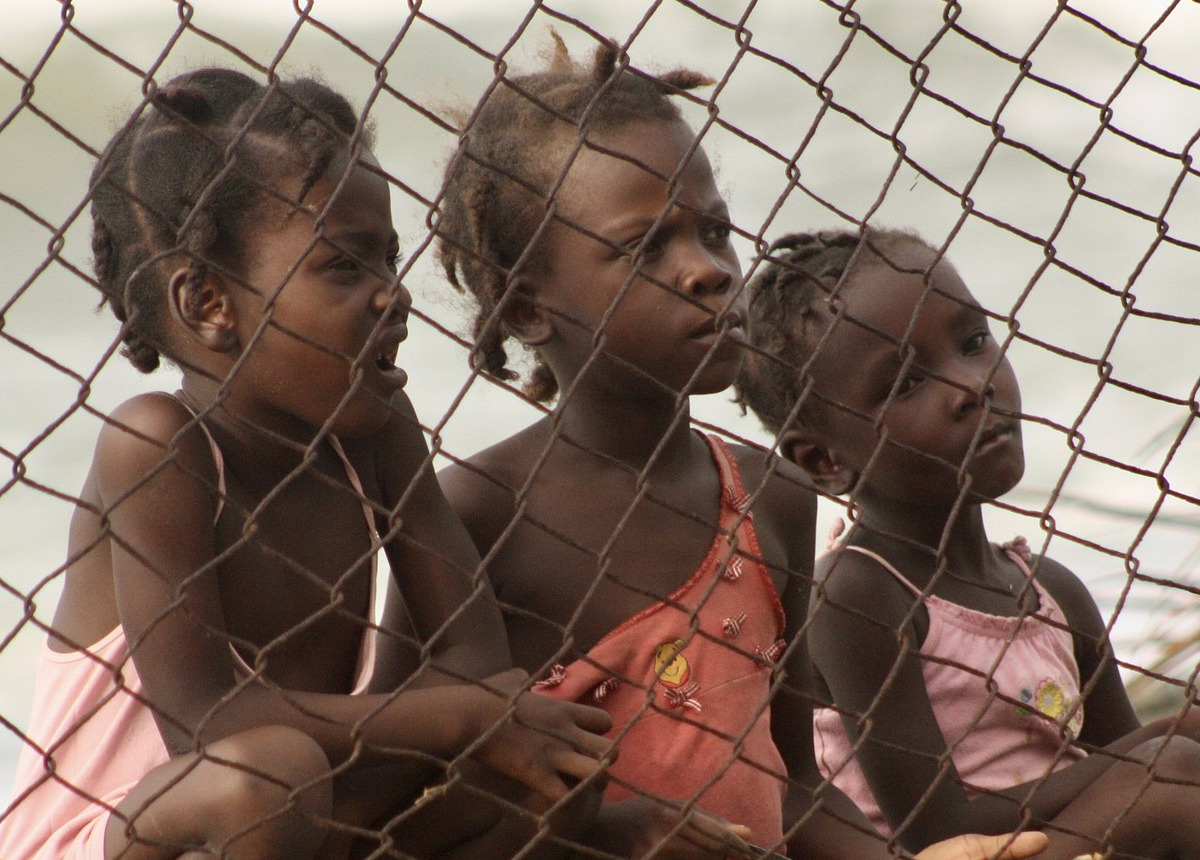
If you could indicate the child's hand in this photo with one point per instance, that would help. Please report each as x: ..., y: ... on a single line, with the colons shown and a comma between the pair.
x: 974, y: 847
x: 640, y: 826
x: 544, y: 739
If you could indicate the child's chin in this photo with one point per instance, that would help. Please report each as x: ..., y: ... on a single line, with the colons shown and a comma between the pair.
x: 714, y: 380
x: 362, y: 421
x: 997, y: 486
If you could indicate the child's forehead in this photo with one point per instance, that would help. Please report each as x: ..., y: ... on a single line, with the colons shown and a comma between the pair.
x: 350, y: 199
x: 658, y: 147
x: 886, y: 307
x: 903, y: 280
x: 348, y: 175
x: 659, y: 157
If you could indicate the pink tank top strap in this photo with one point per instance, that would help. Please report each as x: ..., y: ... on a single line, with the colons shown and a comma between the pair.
x: 218, y: 459
x: 366, y: 657
x: 1017, y: 550
x: 369, y: 644
x: 889, y: 567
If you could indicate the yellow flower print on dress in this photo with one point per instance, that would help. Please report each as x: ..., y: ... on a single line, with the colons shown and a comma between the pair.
x: 1050, y: 700
x: 670, y: 665
x: 674, y: 672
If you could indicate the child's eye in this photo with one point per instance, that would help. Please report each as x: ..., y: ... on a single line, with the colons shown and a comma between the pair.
x: 344, y: 264
x: 718, y: 233
x: 393, y: 263
x: 646, y: 245
x: 976, y: 341
x: 903, y: 388
x: 905, y: 385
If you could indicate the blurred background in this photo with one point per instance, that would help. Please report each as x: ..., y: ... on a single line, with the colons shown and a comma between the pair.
x: 1048, y: 145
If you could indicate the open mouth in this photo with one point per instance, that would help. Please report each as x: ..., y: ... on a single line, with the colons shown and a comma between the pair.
x: 388, y: 347
x: 386, y: 360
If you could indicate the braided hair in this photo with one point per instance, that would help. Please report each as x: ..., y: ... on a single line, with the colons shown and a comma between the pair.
x: 785, y: 322
x: 184, y: 181
x: 498, y: 188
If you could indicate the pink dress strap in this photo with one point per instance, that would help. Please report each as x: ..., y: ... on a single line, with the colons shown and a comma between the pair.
x: 369, y: 645
x: 889, y: 567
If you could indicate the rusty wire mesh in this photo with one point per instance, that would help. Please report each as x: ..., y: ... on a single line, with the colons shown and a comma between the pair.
x: 1051, y: 143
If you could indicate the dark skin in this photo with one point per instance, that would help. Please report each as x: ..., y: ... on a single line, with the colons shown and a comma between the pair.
x: 615, y: 478
x: 184, y: 581
x: 954, y: 401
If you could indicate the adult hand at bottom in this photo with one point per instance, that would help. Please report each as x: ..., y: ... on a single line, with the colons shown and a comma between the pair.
x: 975, y: 847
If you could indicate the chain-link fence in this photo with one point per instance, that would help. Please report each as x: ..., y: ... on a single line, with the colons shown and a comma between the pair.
x: 1047, y: 146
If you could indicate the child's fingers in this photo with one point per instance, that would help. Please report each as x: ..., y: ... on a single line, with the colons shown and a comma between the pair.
x: 1025, y: 845
x: 511, y: 681
x: 717, y: 836
x: 976, y: 847
x: 589, y: 743
x: 546, y: 782
x: 579, y: 726
x: 579, y: 765
x: 592, y: 720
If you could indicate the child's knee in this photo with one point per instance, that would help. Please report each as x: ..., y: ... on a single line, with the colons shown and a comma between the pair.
x: 271, y: 770
x: 1175, y: 759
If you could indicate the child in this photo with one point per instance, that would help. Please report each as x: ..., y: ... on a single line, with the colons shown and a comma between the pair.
x: 200, y: 690
x: 641, y: 565
x: 874, y: 364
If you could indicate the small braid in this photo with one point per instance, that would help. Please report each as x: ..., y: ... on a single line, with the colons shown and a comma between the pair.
x: 496, y: 191
x: 164, y: 196
x: 784, y: 324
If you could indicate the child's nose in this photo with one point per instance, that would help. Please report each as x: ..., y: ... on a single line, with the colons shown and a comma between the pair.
x: 705, y: 274
x: 971, y: 390
x: 392, y: 299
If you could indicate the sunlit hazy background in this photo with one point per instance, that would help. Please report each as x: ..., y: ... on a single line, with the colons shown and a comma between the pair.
x: 1104, y: 87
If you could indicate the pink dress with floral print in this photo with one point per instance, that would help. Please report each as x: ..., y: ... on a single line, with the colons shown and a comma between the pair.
x: 1005, y: 692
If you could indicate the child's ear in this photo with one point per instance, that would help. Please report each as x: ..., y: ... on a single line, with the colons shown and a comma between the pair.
x: 204, y: 309
x: 524, y: 317
x: 827, y: 470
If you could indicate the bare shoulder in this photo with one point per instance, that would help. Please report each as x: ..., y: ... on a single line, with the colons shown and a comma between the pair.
x: 784, y: 501
x: 860, y: 588
x: 145, y: 432
x: 482, y: 489
x: 1069, y: 591
x: 151, y: 417
x: 1055, y: 575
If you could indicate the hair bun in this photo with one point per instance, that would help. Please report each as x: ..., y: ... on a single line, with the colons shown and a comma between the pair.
x: 185, y: 102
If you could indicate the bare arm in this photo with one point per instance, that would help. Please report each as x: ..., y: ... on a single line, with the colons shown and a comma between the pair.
x: 828, y: 825
x: 434, y: 563
x: 160, y: 511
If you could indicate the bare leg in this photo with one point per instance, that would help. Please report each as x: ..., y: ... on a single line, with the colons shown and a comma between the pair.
x: 258, y: 795
x: 480, y: 815
x: 1136, y: 816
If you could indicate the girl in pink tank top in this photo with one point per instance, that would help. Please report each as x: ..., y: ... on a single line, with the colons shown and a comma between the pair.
x: 206, y: 684
x: 969, y: 686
